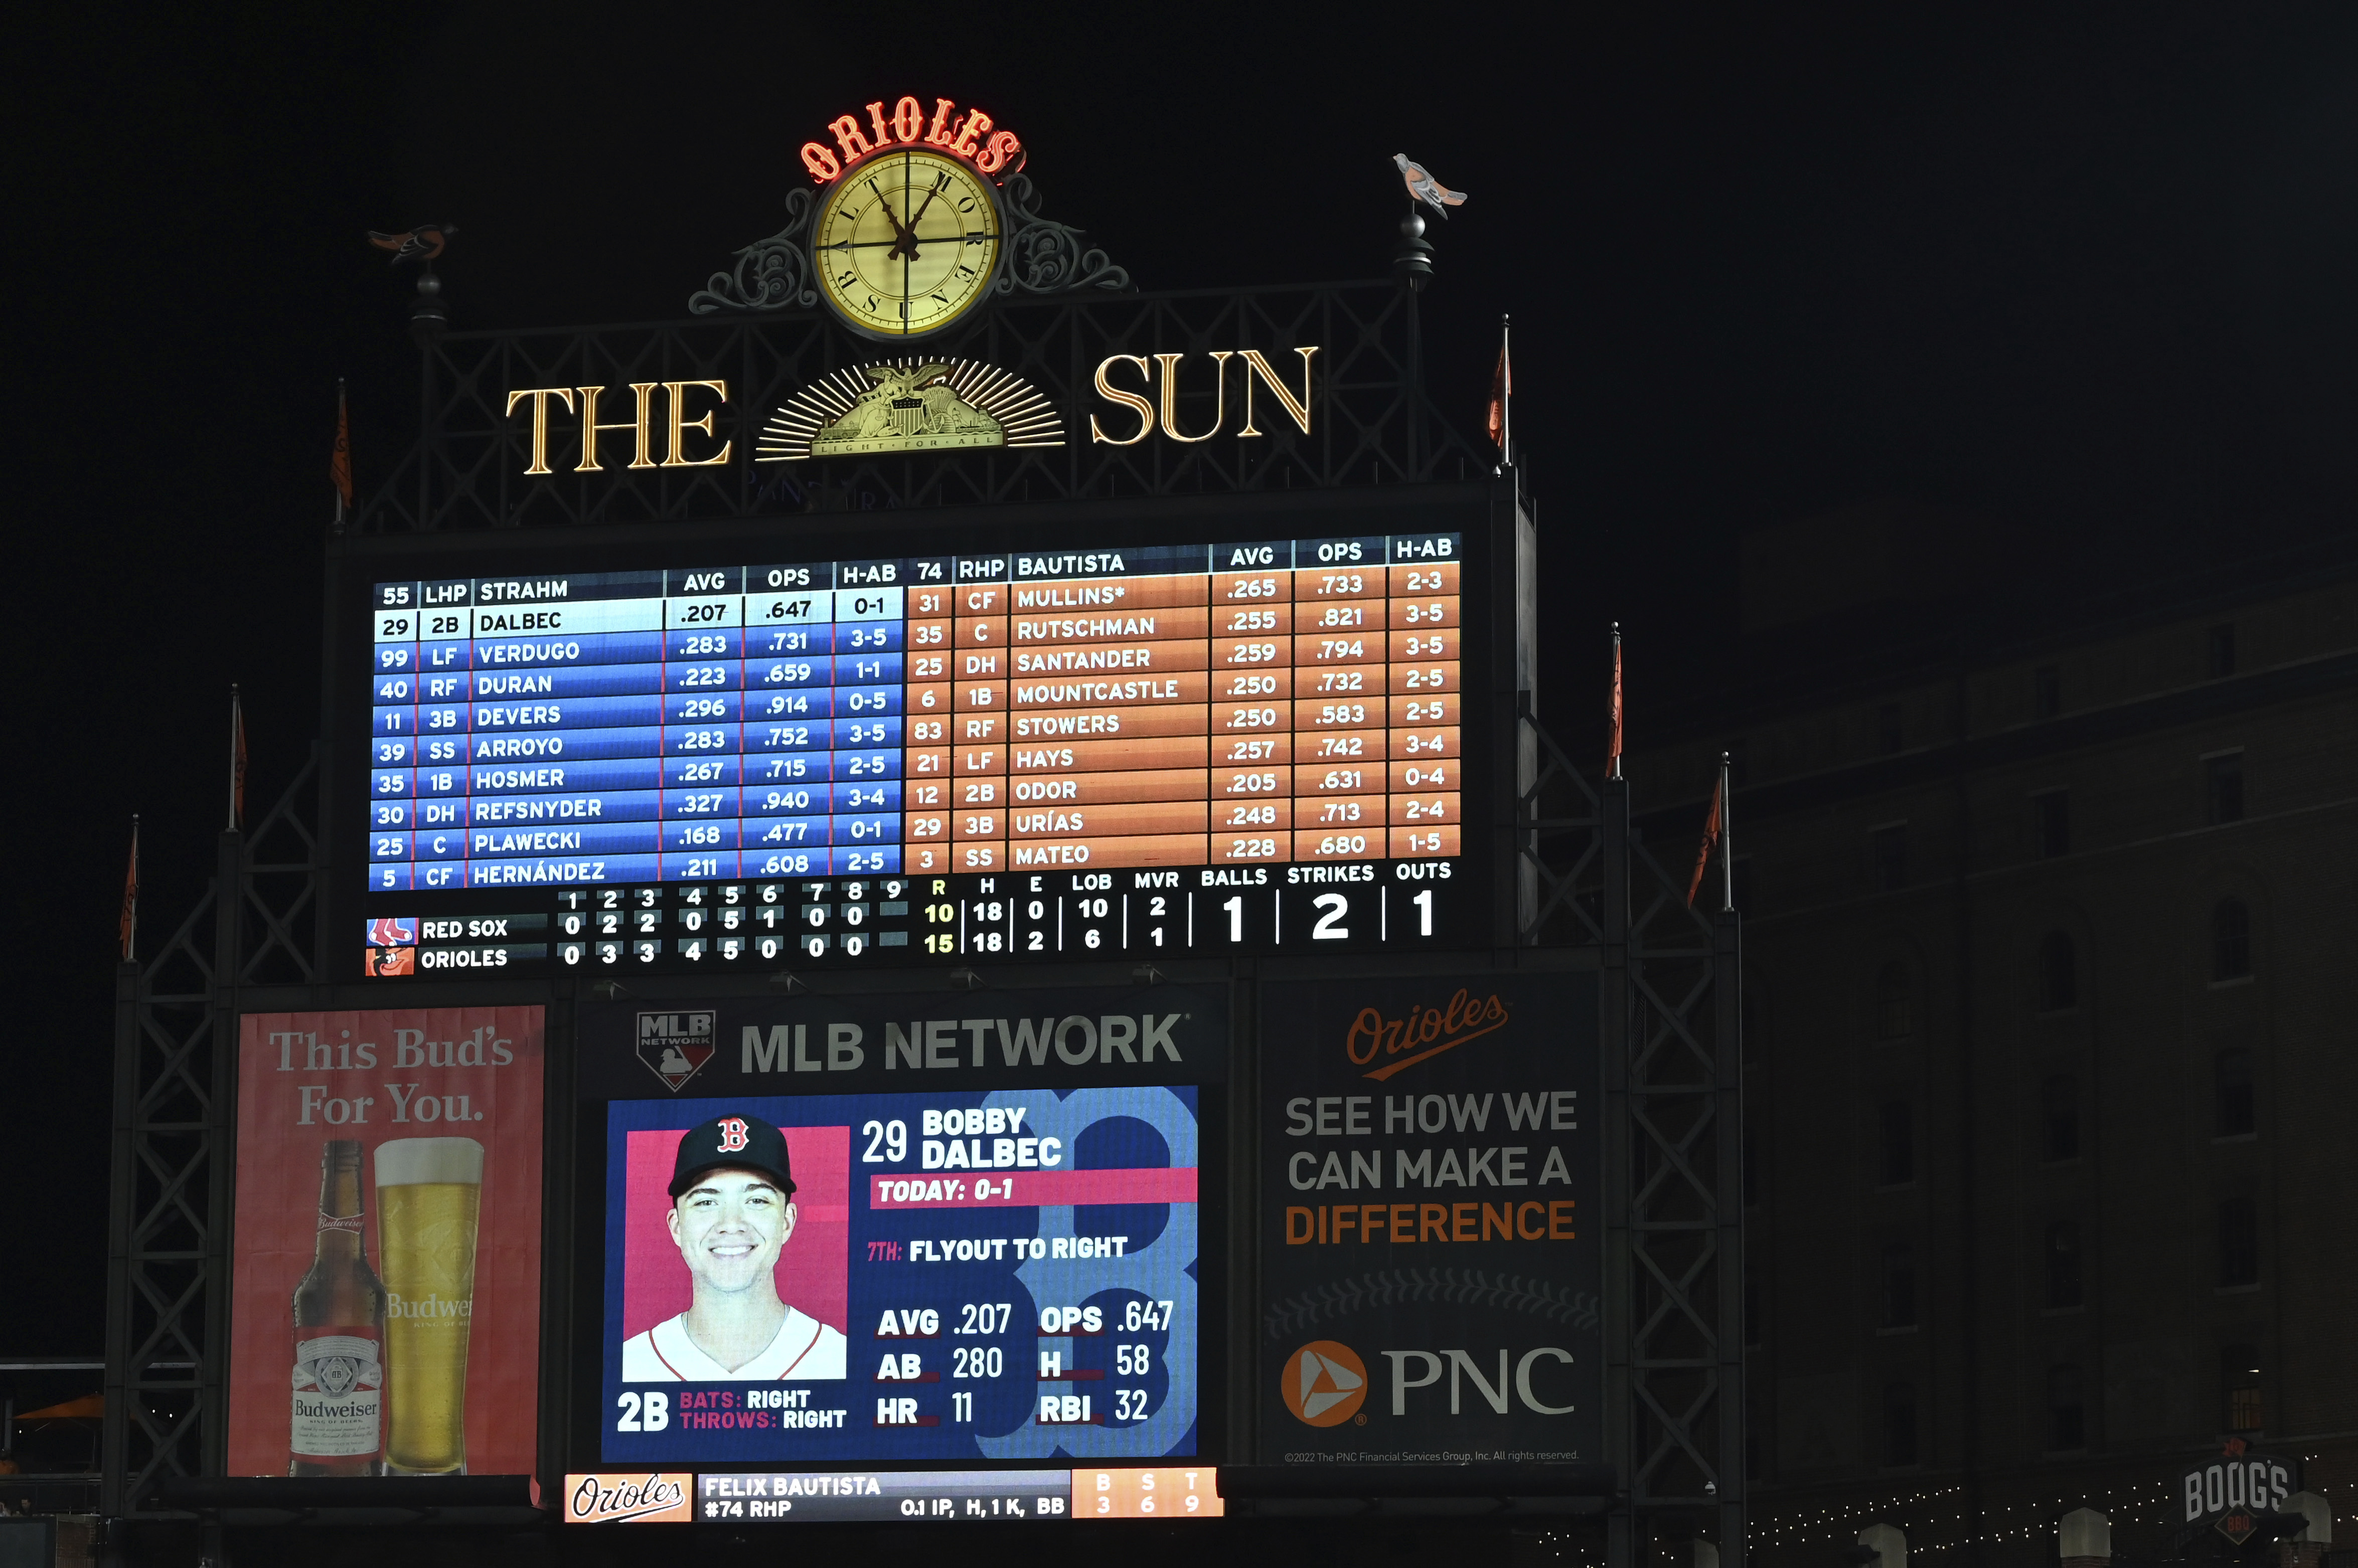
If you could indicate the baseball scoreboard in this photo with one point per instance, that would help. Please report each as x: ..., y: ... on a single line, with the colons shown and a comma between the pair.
x: 737, y: 763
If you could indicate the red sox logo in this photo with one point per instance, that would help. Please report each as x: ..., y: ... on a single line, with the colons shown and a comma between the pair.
x: 732, y: 1134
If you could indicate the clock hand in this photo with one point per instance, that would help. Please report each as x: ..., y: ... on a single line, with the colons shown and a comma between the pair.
x: 907, y: 245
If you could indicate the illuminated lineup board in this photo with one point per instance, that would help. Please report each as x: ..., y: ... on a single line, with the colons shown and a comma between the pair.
x: 946, y: 755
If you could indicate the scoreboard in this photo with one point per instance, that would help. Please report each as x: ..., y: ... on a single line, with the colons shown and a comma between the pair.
x: 705, y: 762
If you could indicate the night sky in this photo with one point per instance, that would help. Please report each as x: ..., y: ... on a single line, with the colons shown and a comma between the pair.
x: 2088, y: 277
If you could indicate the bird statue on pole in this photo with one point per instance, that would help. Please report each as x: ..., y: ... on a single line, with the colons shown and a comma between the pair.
x: 1423, y: 188
x: 425, y: 243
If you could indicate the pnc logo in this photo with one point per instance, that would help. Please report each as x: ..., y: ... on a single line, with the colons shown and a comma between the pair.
x: 1420, y: 1034
x: 1325, y: 1383
x: 732, y: 1134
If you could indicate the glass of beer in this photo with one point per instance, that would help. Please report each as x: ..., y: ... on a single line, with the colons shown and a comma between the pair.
x: 428, y: 1194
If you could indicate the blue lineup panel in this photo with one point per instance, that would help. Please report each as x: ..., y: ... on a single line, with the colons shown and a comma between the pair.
x: 642, y: 727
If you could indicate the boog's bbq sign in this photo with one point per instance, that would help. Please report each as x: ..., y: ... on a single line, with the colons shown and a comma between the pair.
x: 2236, y: 1492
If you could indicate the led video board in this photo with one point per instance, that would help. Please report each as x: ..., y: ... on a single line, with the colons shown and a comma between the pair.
x: 736, y: 762
x: 918, y: 1231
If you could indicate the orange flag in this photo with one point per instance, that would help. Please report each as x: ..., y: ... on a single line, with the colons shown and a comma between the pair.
x: 127, y: 928
x: 339, y: 462
x: 1502, y: 388
x: 1613, y: 743
x: 236, y: 760
x: 1710, y: 838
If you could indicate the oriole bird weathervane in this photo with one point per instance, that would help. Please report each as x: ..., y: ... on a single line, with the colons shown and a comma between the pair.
x: 422, y: 244
x: 1423, y: 188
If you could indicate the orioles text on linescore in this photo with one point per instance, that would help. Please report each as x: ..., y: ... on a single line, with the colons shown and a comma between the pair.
x: 1530, y: 1220
x: 969, y: 136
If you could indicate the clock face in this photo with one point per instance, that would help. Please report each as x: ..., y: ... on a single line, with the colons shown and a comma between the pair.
x: 906, y: 243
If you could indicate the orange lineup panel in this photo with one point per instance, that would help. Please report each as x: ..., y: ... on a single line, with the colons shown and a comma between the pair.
x: 927, y: 856
x: 1410, y: 678
x: 1423, y: 613
x: 1424, y: 745
x: 1143, y: 850
x: 978, y: 632
x: 1323, y: 583
x: 1252, y: 620
x: 931, y: 599
x: 978, y: 822
x: 1339, y: 713
x: 1251, y: 783
x: 1030, y: 757
x: 978, y: 664
x: 1270, y: 651
x: 929, y: 794
x: 919, y: 826
x: 974, y: 695
x: 1425, y: 810
x: 1112, y: 789
x: 1110, y: 593
x: 1412, y: 843
x: 1111, y: 658
x: 1259, y: 815
x: 1249, y: 718
x: 930, y: 761
x: 1426, y: 773
x: 968, y: 761
x: 925, y: 634
x: 1345, y: 776
x: 1338, y: 843
x: 1338, y: 748
x: 1339, y: 648
x: 1441, y: 708
x: 1110, y: 627
x: 1252, y: 588
x: 1247, y: 749
x: 980, y: 728
x: 1427, y: 643
x: 1111, y: 691
x: 1233, y: 848
x: 980, y: 599
x: 1105, y: 722
x: 1337, y: 812
x: 1262, y: 683
x: 1440, y: 577
x: 1341, y: 616
x: 933, y: 697
x: 1341, y: 681
x: 978, y: 855
x: 1062, y: 821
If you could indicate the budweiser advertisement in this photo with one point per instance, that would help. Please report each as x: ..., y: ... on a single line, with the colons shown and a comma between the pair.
x: 1430, y: 1233
x: 385, y: 1307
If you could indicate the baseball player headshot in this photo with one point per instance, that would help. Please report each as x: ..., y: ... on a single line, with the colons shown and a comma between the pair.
x: 731, y: 1212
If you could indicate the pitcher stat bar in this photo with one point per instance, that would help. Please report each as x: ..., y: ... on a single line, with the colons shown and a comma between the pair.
x: 918, y: 757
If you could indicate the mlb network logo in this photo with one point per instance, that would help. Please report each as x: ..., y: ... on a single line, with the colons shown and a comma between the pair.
x: 676, y: 1045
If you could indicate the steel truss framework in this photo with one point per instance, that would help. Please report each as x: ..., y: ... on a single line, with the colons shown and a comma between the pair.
x: 1675, y: 1417
x: 1371, y: 423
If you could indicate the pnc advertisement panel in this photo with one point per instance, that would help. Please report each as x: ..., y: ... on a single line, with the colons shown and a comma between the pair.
x: 407, y: 1298
x: 849, y: 1232
x: 1429, y: 1246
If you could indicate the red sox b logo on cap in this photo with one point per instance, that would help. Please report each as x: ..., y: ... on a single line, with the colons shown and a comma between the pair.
x: 733, y: 1136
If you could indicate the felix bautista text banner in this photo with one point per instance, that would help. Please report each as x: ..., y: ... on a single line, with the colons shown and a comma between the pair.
x: 1085, y: 1037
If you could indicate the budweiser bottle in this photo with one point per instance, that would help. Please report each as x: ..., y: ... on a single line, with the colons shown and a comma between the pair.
x: 339, y: 1427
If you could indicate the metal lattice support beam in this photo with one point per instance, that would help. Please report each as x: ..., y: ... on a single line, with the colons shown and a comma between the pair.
x: 167, y: 1258
x: 1673, y: 1152
x: 1372, y: 423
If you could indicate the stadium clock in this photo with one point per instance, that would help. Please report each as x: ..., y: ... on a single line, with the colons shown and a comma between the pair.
x: 907, y: 243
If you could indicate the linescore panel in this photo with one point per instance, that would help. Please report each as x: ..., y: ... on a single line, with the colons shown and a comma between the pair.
x: 1155, y: 751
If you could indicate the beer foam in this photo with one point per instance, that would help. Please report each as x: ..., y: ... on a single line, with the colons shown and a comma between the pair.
x: 413, y: 1161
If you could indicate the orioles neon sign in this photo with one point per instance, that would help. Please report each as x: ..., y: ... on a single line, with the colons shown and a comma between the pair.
x: 970, y: 136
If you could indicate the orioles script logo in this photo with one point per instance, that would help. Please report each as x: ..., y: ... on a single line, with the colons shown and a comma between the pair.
x: 1422, y: 1034
x: 619, y: 1499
